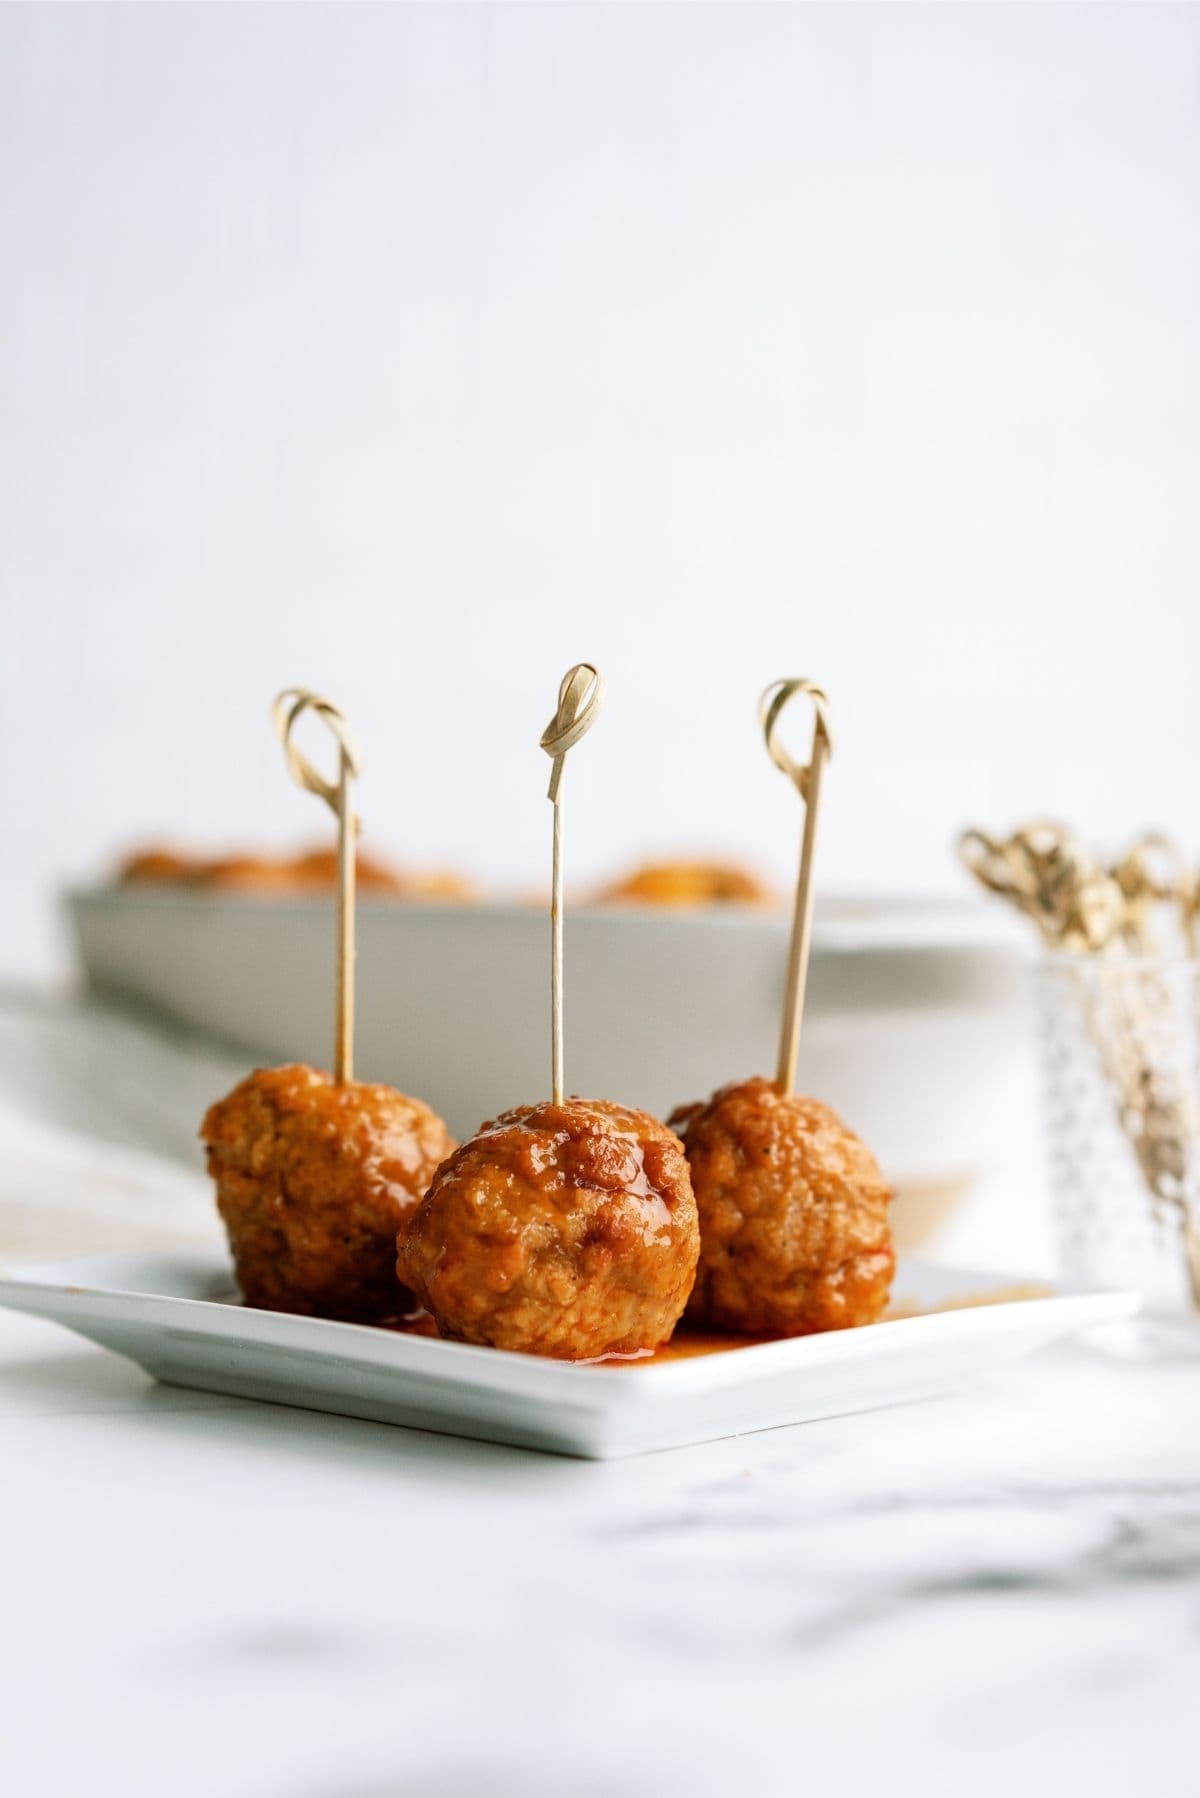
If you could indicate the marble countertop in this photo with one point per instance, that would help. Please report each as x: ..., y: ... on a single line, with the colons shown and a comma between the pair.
x: 989, y: 1592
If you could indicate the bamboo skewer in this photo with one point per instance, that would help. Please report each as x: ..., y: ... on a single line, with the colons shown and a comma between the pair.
x: 580, y: 695
x: 286, y: 711
x: 807, y: 781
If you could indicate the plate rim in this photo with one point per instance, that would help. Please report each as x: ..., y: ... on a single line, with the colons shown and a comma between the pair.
x: 1074, y: 1307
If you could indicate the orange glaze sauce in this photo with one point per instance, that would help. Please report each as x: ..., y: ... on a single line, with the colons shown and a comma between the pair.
x: 684, y: 1345
x: 410, y: 1323
x: 688, y: 1342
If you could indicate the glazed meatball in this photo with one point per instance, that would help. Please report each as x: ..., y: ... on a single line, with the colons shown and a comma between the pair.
x: 156, y: 867
x: 567, y: 1230
x: 686, y: 885
x: 794, y: 1231
x: 314, y: 1180
x: 247, y: 874
x: 318, y: 869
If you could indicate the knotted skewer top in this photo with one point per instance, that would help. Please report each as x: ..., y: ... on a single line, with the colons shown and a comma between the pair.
x: 1076, y: 901
x: 1046, y: 872
x: 289, y: 707
x: 580, y: 696
x: 806, y: 778
x: 771, y: 705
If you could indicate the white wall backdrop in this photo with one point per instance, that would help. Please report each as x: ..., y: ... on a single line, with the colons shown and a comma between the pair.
x: 415, y: 352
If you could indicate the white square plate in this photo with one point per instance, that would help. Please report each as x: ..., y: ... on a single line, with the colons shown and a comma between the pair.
x: 178, y: 1316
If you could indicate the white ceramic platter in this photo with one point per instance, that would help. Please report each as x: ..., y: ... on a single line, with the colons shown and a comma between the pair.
x: 178, y: 1317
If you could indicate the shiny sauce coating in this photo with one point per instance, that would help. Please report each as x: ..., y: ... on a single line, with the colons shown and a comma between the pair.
x: 684, y: 1345
x: 689, y: 1341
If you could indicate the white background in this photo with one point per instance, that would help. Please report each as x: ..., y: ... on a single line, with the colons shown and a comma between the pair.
x: 416, y: 352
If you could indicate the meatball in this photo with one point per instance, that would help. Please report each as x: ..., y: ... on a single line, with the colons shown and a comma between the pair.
x: 567, y: 1230
x: 686, y: 885
x: 248, y: 874
x: 439, y: 886
x: 314, y: 1180
x: 318, y: 869
x: 156, y: 867
x: 794, y: 1230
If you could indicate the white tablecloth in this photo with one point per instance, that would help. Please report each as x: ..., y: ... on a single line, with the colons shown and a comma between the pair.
x: 98, y: 1119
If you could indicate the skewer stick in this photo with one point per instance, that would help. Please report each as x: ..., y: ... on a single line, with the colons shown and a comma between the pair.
x: 807, y: 782
x: 288, y: 708
x: 580, y: 696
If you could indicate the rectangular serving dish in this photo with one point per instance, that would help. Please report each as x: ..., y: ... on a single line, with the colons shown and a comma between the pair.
x: 914, y: 1022
x: 178, y: 1316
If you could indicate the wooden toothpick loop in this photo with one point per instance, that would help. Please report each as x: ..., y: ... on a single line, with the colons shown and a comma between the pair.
x: 771, y: 705
x: 289, y: 707
x: 580, y: 696
x: 806, y: 778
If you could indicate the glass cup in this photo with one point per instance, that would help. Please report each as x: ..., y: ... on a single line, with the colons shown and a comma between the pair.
x: 1120, y: 1049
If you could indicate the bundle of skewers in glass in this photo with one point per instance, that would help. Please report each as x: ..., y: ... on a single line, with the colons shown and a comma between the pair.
x: 1119, y: 990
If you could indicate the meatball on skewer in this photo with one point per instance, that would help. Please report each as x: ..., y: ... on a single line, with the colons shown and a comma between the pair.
x: 794, y: 1232
x: 314, y: 1179
x: 568, y: 1227
x: 317, y: 1173
x: 794, y: 1228
x: 565, y: 1228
